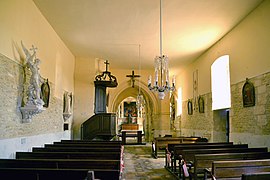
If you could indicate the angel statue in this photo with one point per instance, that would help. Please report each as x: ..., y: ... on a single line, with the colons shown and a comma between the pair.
x: 35, y: 80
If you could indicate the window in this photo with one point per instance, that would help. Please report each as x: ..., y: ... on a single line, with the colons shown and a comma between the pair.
x: 220, y: 76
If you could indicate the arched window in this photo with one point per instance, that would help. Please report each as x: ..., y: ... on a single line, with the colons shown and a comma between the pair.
x: 220, y: 76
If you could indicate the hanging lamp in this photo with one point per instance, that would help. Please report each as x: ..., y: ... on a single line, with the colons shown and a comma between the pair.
x: 161, y: 81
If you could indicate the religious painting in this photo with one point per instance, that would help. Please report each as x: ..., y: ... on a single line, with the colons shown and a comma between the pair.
x: 201, y: 104
x: 190, y: 108
x: 195, y: 89
x: 130, y: 109
x: 45, y: 93
x: 248, y: 93
x: 172, y: 111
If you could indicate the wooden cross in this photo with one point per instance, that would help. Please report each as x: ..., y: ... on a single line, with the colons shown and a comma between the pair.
x: 106, y: 64
x: 132, y: 77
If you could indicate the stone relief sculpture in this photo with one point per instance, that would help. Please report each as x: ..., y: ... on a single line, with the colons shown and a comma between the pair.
x: 67, y: 110
x: 32, y: 104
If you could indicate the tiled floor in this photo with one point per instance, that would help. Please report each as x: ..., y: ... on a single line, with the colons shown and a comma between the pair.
x: 140, y: 165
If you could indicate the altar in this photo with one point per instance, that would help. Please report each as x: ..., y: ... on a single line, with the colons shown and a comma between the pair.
x: 130, y: 127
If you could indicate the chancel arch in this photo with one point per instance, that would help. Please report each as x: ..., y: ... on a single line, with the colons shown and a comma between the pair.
x: 151, y: 106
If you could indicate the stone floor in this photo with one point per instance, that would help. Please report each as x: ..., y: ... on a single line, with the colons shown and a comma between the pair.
x: 140, y: 165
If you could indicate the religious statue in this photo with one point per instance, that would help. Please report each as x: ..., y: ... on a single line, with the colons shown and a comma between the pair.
x: 67, y: 110
x: 36, y: 80
x: 33, y: 104
x: 45, y: 93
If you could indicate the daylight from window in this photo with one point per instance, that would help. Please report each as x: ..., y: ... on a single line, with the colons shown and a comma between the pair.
x: 220, y: 76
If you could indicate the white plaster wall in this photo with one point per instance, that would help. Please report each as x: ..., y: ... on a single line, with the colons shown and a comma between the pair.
x: 9, y: 147
x: 20, y: 21
x: 85, y: 71
x: 248, y: 47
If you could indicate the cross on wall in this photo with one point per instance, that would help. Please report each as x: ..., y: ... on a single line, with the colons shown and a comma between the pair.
x: 132, y: 77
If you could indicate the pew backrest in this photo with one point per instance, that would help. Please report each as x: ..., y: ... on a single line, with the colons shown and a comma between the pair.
x: 61, y: 163
x: 75, y: 149
x: 87, y: 142
x: 256, y: 176
x: 38, y: 174
x: 170, y: 146
x: 188, y: 154
x: 235, y: 168
x: 98, y: 145
x: 69, y: 155
x: 202, y: 161
x: 160, y: 143
x: 191, y: 150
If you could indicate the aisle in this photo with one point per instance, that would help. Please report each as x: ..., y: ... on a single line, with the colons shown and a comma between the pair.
x: 139, y: 164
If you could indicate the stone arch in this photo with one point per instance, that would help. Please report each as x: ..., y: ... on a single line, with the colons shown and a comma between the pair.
x: 152, y: 108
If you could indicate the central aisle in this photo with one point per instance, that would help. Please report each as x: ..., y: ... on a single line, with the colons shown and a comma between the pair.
x: 140, y: 165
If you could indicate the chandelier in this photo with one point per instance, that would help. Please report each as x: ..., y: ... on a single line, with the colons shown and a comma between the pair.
x: 140, y: 102
x: 161, y: 81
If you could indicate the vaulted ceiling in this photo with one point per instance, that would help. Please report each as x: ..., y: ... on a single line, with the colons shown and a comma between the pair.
x: 127, y: 32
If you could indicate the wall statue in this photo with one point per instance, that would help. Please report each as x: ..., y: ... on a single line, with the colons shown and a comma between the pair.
x: 67, y: 110
x: 33, y: 104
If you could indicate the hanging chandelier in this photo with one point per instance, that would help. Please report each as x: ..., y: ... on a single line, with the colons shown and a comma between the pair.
x: 161, y: 81
x: 140, y: 102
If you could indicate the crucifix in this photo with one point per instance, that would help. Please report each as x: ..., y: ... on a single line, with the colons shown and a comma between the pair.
x: 132, y: 77
x: 106, y: 64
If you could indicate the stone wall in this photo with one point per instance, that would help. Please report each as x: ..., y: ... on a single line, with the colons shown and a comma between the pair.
x: 47, y: 122
x: 197, y: 124
x: 249, y: 125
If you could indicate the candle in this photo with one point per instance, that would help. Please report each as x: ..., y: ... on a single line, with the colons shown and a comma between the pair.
x: 149, y: 79
x: 173, y: 80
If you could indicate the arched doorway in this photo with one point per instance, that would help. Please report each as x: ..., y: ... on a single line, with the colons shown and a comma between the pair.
x: 124, y: 91
x: 221, y: 98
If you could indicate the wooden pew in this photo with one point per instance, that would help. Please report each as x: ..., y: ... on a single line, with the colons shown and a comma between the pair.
x: 187, y: 155
x: 160, y: 143
x: 187, y: 152
x: 76, y: 149
x: 170, y: 146
x: 102, y: 168
x: 256, y: 176
x: 169, y: 151
x: 234, y: 169
x: 69, y: 155
x: 44, y: 174
x: 87, y: 142
x: 131, y: 133
x: 61, y: 163
x: 203, y: 161
x: 103, y: 145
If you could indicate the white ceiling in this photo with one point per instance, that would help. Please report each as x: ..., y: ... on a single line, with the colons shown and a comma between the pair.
x: 114, y: 29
